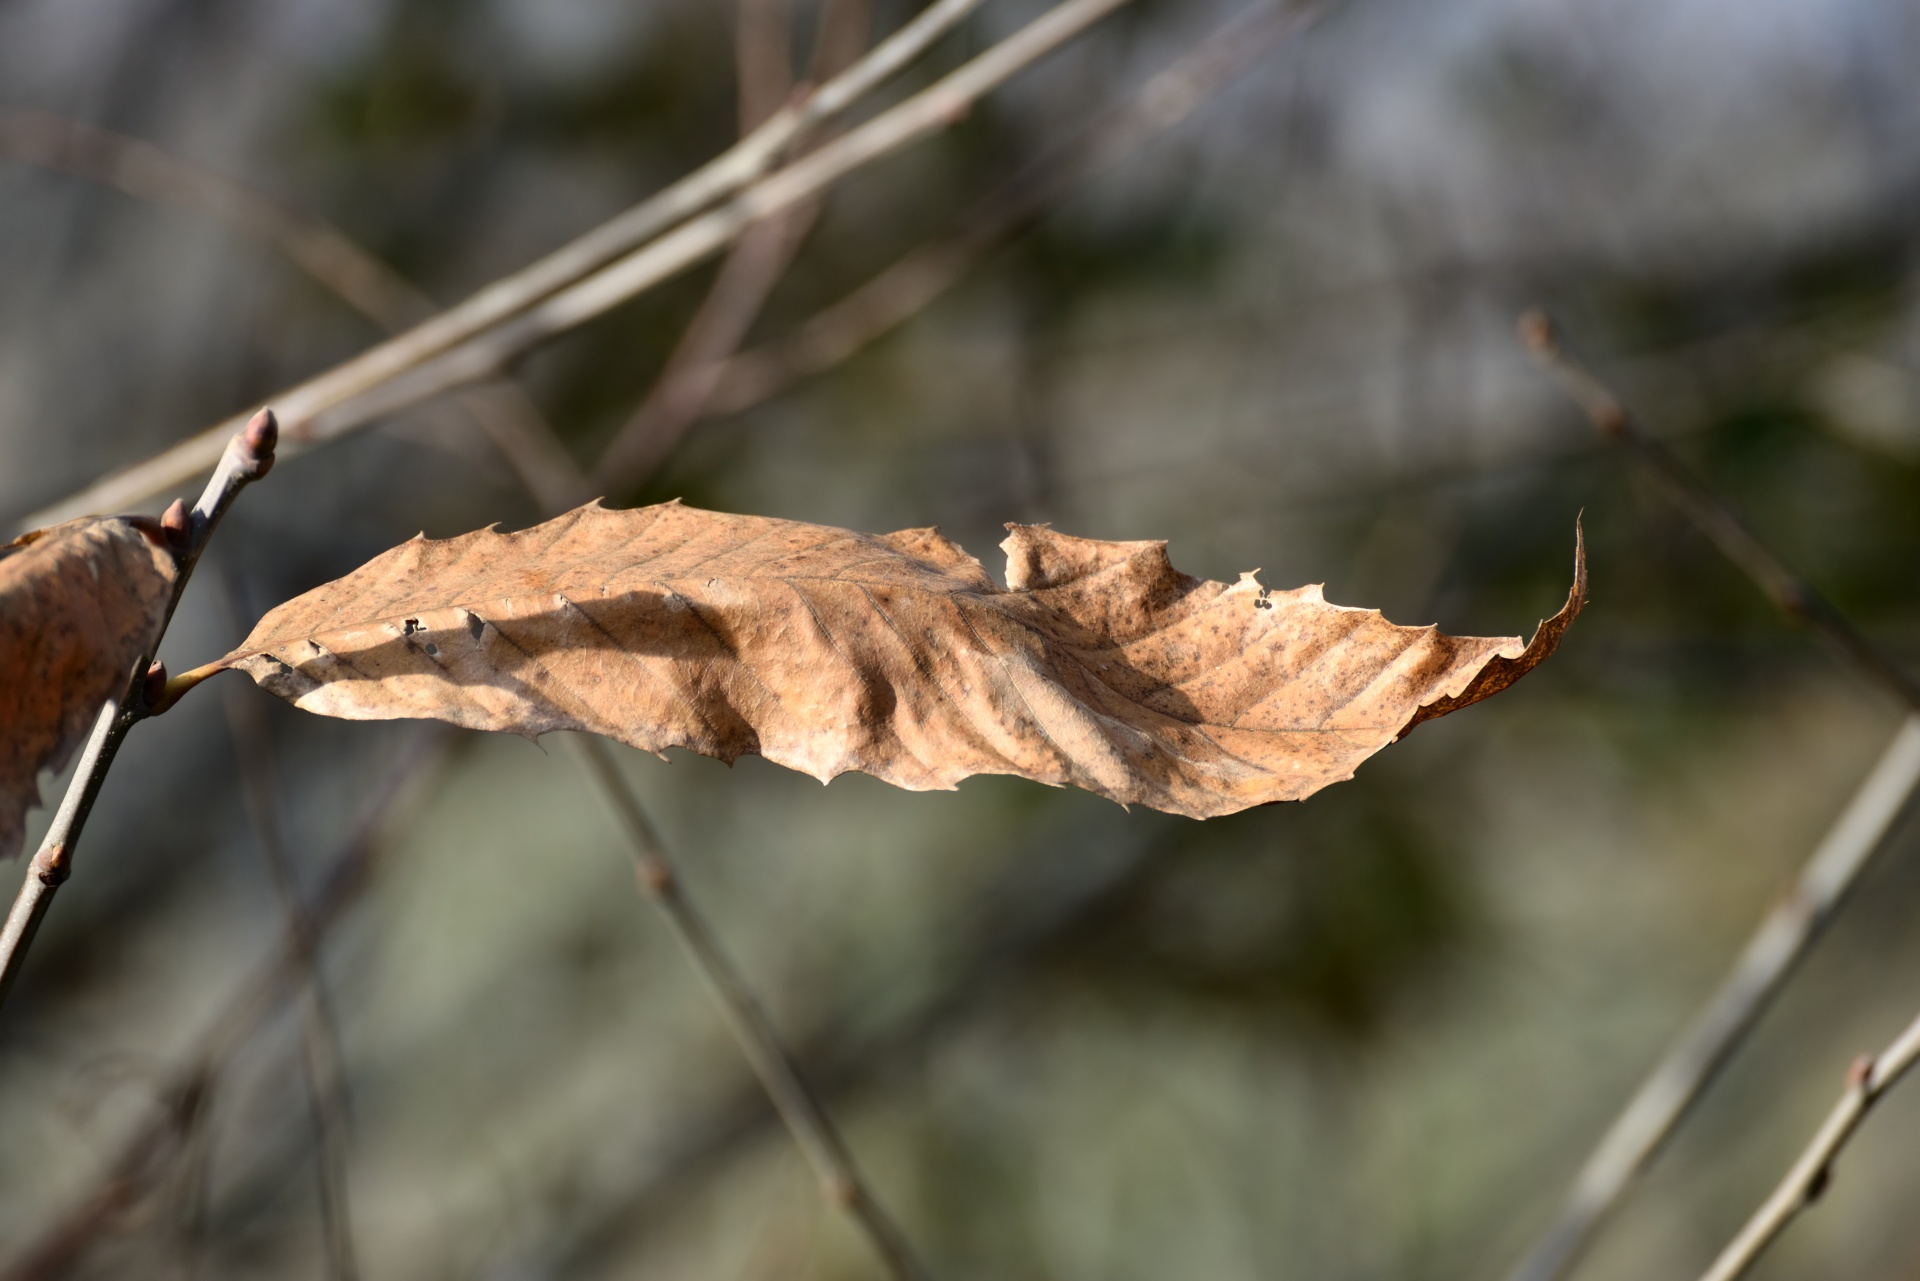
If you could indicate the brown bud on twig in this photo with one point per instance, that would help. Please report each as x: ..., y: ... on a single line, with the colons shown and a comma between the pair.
x: 177, y: 525
x: 153, y: 685
x: 260, y: 436
x: 1611, y: 419
x: 1536, y: 332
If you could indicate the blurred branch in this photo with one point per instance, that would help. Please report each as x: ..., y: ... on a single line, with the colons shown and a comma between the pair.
x: 739, y: 291
x: 923, y: 275
x: 1769, y: 957
x: 332, y: 260
x: 805, y: 1117
x: 1867, y: 1081
x: 322, y: 1062
x: 337, y: 402
x: 1712, y: 515
x: 147, y: 172
x: 752, y: 268
x: 997, y: 937
x: 681, y: 395
x: 248, y: 457
x: 1785, y: 934
x: 142, y: 1155
x: 763, y: 59
x: 287, y: 230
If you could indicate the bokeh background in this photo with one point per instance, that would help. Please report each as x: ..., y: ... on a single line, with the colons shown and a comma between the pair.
x: 1366, y: 1036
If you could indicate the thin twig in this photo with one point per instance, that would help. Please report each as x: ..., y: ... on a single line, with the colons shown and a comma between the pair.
x: 140, y: 1157
x: 695, y: 370
x: 302, y: 407
x: 322, y: 1062
x: 805, y: 1117
x: 757, y: 261
x: 1711, y: 514
x: 1769, y: 957
x: 1867, y: 1081
x: 910, y: 284
x: 151, y: 173
x: 212, y: 197
x: 248, y: 456
x: 992, y: 942
x: 328, y: 256
x: 932, y: 109
x: 1783, y: 937
x: 675, y: 402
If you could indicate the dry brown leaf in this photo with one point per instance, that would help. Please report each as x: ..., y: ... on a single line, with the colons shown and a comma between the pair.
x: 1099, y: 664
x: 80, y: 604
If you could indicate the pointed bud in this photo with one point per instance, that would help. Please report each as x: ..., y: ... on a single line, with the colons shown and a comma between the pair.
x: 154, y: 687
x: 261, y: 434
x: 177, y: 524
x: 1536, y: 331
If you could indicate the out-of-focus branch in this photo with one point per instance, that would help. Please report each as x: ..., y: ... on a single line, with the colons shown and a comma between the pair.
x: 799, y: 1108
x: 139, y: 1159
x: 758, y: 260
x: 147, y: 172
x: 1776, y: 947
x: 1868, y: 1080
x: 746, y: 278
x: 322, y: 1063
x: 763, y: 59
x: 344, y: 398
x: 1712, y: 515
x: 923, y: 275
x: 927, y: 112
x: 248, y: 457
x: 1783, y: 937
x: 500, y: 408
x: 997, y: 938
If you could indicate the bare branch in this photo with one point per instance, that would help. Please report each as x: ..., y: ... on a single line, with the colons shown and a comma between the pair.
x: 322, y: 1061
x: 1783, y: 937
x: 805, y: 1117
x: 763, y: 59
x: 143, y: 1154
x: 249, y: 455
x: 680, y: 396
x: 1868, y: 1080
x: 1769, y: 957
x: 319, y: 408
x: 330, y: 258
x: 147, y: 172
x: 1711, y: 514
x: 904, y: 289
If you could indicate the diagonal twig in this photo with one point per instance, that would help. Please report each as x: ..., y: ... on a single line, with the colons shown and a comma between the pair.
x: 736, y: 297
x: 799, y: 1107
x: 697, y: 369
x: 1769, y: 957
x: 499, y: 407
x: 748, y: 274
x: 338, y: 401
x: 1868, y: 1080
x: 248, y: 457
x: 1789, y: 592
x: 1784, y: 935
x: 205, y: 193
x: 322, y: 1062
x: 144, y: 1152
x: 914, y: 281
